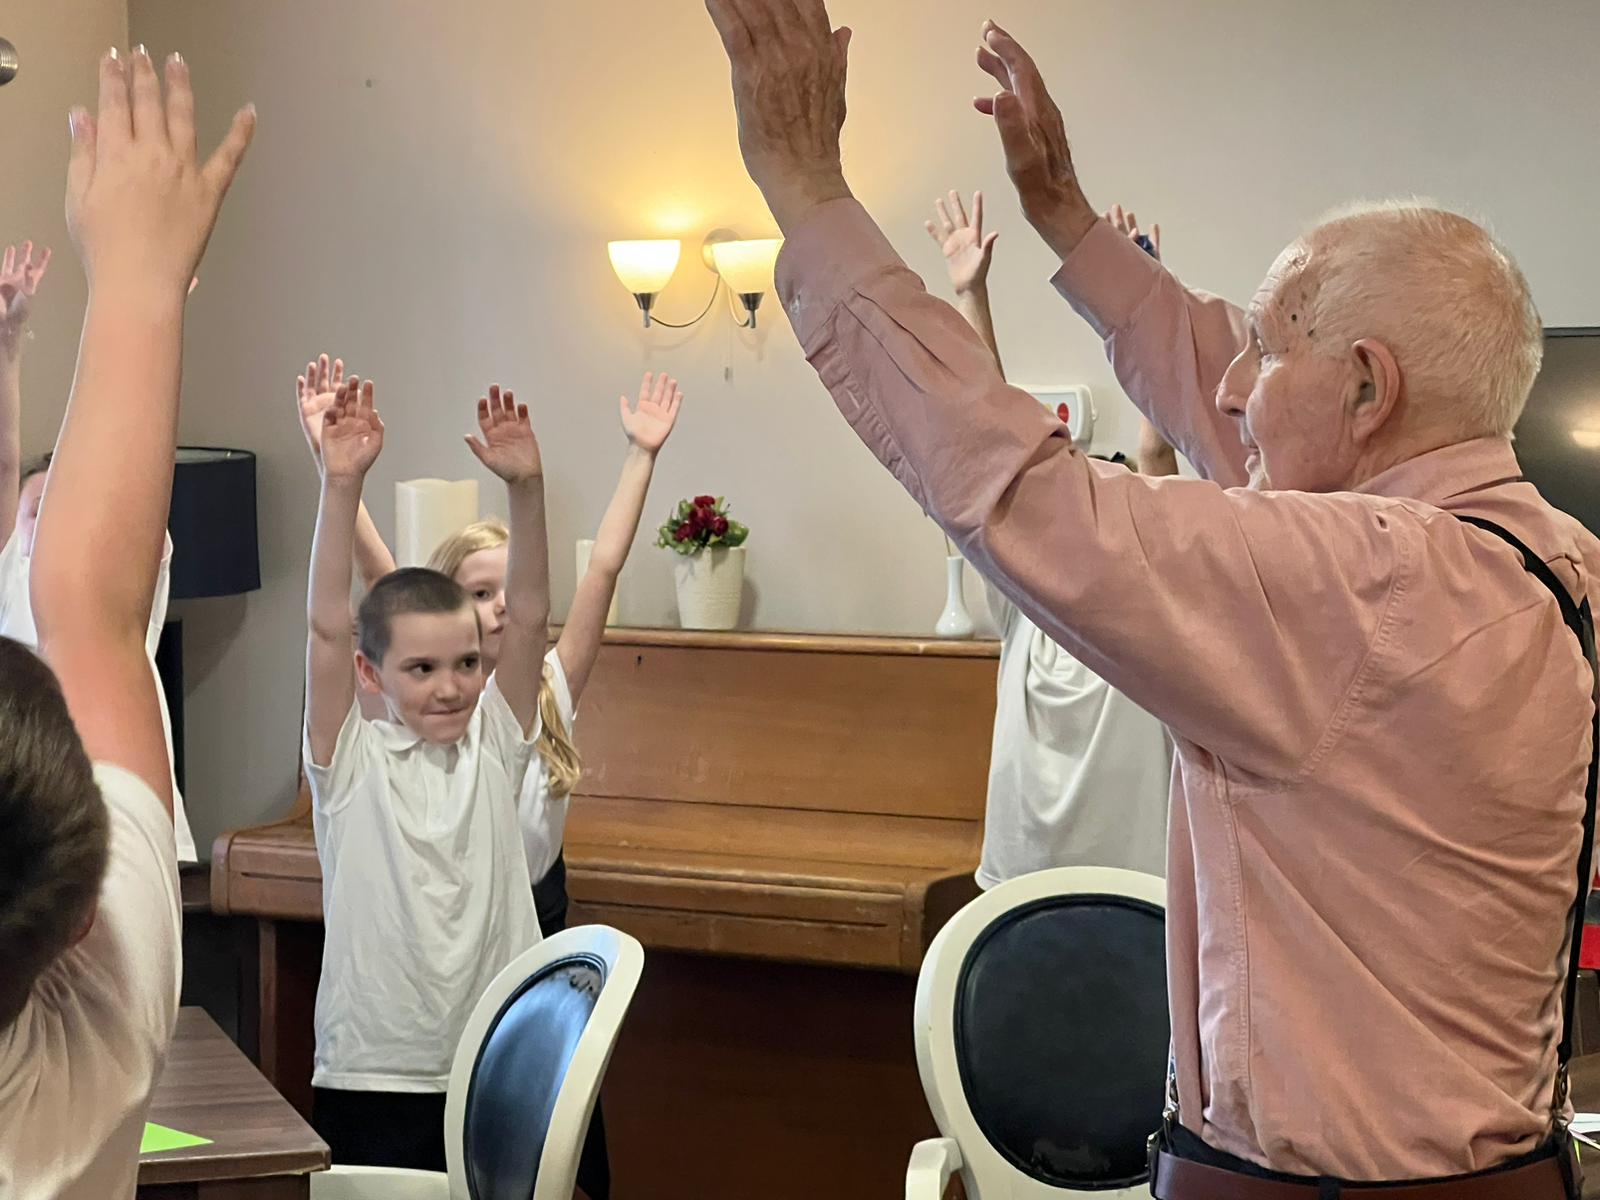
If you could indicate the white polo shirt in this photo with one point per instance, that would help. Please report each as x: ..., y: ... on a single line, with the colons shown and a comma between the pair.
x: 16, y: 623
x: 1079, y: 775
x: 79, y: 1064
x: 425, y: 892
x: 543, y: 817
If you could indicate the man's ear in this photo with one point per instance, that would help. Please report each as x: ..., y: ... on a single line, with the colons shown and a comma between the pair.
x: 1378, y: 388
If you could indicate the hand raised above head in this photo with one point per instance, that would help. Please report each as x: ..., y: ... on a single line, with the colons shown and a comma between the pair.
x: 967, y: 250
x: 20, y: 276
x: 650, y: 423
x: 140, y: 204
x: 352, y: 432
x: 315, y: 393
x: 789, y: 96
x: 508, y: 447
x: 1034, y: 138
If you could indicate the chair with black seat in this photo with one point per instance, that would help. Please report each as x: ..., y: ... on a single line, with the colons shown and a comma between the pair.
x: 1042, y: 1038
x: 526, y: 1074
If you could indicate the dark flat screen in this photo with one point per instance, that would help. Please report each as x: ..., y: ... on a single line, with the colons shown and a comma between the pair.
x: 1558, y: 437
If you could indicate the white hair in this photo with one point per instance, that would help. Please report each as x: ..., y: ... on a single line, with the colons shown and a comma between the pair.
x: 1442, y: 295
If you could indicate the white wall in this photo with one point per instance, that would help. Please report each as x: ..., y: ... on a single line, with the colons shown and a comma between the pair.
x: 59, y: 46
x: 432, y: 187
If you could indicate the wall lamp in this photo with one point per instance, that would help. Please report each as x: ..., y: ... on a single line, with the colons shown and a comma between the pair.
x: 747, y: 267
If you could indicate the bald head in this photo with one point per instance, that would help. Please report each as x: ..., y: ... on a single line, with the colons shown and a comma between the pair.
x: 1441, y: 294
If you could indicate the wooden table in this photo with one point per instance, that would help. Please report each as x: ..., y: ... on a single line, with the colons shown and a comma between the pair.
x: 260, y: 1147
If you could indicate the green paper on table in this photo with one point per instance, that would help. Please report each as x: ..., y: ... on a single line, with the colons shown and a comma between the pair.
x: 158, y: 1138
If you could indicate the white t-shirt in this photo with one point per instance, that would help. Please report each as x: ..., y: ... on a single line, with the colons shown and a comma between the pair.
x: 543, y: 817
x: 1079, y: 775
x: 425, y: 892
x: 78, y: 1066
x: 16, y: 623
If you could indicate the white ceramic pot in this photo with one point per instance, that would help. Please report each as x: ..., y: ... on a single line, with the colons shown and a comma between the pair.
x: 710, y: 585
x: 954, y: 621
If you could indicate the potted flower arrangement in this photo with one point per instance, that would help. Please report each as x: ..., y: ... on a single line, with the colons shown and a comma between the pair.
x: 709, y: 572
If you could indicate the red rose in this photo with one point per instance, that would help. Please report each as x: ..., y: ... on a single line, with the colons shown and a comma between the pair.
x: 697, y: 521
x: 705, y: 501
x: 720, y: 526
x: 682, y: 533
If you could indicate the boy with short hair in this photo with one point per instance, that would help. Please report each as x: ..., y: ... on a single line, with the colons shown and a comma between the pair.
x: 88, y: 878
x: 425, y: 890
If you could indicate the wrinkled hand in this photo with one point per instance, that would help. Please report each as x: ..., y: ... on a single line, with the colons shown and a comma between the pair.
x: 1038, y: 156
x: 140, y: 206
x: 968, y: 251
x: 20, y: 274
x: 788, y: 93
x: 1127, y: 224
x: 315, y: 393
x: 649, y: 424
x: 508, y: 448
x: 352, y: 432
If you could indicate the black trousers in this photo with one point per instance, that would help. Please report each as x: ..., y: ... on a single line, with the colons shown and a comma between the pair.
x: 381, y: 1129
x: 594, y: 1164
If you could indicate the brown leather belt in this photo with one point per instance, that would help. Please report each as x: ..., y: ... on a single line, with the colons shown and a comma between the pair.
x: 1180, y: 1179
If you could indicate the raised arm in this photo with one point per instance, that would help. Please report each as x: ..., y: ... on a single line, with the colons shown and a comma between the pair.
x: 20, y: 274
x: 648, y: 425
x: 140, y: 207
x: 509, y: 449
x: 1155, y: 455
x: 315, y: 393
x: 968, y: 252
x: 1168, y: 345
x: 352, y: 437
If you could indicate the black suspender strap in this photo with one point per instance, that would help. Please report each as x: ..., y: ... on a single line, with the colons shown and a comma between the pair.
x: 1578, y: 619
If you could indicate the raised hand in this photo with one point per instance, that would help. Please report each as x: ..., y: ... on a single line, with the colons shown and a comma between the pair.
x: 20, y: 274
x: 1127, y: 224
x: 508, y: 448
x: 315, y: 393
x: 650, y: 423
x: 1038, y: 156
x: 967, y: 249
x: 352, y: 432
x: 140, y: 205
x: 788, y: 94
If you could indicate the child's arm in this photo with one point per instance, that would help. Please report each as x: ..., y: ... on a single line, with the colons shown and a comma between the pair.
x: 352, y: 436
x: 648, y: 426
x: 510, y: 450
x: 140, y: 208
x: 968, y: 252
x: 315, y: 392
x: 19, y: 279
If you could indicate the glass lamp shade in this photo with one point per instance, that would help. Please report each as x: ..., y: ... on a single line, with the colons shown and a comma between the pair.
x: 644, y: 267
x: 747, y: 266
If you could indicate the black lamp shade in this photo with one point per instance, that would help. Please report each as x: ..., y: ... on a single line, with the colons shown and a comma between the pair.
x: 213, y: 523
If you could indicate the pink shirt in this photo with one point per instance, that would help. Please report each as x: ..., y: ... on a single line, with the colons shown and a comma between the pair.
x: 1383, y: 726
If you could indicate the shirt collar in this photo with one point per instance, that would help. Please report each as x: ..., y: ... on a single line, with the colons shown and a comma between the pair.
x: 1445, y: 474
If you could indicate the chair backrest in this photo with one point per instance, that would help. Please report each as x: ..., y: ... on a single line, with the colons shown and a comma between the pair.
x: 529, y: 1064
x: 1042, y: 1031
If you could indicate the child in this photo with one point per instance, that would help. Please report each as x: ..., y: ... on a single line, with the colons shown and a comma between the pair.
x: 20, y: 493
x: 1079, y: 774
x: 425, y: 885
x: 89, y: 909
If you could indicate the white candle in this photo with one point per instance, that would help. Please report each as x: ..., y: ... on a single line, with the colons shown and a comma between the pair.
x: 585, y: 549
x: 426, y: 511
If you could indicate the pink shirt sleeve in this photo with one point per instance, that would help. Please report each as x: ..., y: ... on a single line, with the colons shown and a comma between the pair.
x: 1168, y: 345
x: 1243, y: 620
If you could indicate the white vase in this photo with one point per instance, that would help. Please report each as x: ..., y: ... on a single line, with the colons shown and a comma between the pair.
x: 954, y: 621
x: 710, y: 585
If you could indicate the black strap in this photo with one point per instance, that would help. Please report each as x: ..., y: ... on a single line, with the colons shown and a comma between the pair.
x: 1578, y: 619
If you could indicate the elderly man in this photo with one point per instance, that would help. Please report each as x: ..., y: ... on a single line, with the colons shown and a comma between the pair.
x: 1385, y: 728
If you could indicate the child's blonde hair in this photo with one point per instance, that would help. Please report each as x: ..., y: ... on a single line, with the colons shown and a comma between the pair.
x: 561, y: 763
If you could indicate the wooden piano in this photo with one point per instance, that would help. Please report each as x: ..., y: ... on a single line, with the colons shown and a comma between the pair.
x: 784, y: 821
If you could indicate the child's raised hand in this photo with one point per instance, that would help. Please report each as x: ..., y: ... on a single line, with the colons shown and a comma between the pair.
x: 140, y: 205
x: 650, y: 423
x: 508, y: 448
x: 315, y: 393
x: 352, y: 432
x: 20, y: 274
